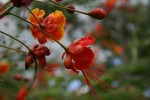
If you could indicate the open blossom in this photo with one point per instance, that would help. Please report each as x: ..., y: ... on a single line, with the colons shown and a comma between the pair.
x: 79, y: 57
x: 39, y: 52
x: 53, y: 24
x: 4, y: 67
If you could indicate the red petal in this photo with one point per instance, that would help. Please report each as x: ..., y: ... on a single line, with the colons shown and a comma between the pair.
x: 39, y: 53
x: 84, y: 41
x: 76, y: 49
x: 42, y: 39
x: 87, y: 41
x: 42, y: 61
x: 68, y: 62
x: 84, y: 59
x: 46, y: 50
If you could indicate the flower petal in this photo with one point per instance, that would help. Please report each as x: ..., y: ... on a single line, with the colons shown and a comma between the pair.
x: 68, y: 62
x: 84, y: 59
x: 37, y: 13
x: 76, y: 49
x: 42, y: 61
x: 59, y: 18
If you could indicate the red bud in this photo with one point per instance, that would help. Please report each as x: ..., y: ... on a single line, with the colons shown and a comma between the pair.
x: 59, y: 0
x: 98, y: 13
x: 71, y: 6
x: 18, y: 77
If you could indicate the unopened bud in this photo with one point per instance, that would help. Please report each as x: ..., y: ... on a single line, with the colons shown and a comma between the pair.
x: 19, y: 3
x: 18, y: 77
x: 98, y: 13
x: 59, y: 0
x: 71, y: 6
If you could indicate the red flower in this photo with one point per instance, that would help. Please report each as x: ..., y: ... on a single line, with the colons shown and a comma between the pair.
x: 39, y: 52
x: 53, y: 24
x: 22, y: 94
x: 79, y: 57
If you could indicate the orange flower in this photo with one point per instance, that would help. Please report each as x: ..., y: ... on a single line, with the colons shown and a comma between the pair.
x: 53, y: 24
x: 4, y: 67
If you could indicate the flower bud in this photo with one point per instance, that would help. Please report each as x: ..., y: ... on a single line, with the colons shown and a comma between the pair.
x: 18, y: 77
x: 71, y: 6
x: 19, y: 3
x: 59, y: 0
x: 98, y: 13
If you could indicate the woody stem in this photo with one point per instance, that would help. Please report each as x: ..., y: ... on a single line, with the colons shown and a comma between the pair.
x: 6, y: 12
x: 15, y: 39
x: 12, y: 49
x: 34, y: 17
x: 5, y: 5
x: 65, y: 48
x: 63, y: 6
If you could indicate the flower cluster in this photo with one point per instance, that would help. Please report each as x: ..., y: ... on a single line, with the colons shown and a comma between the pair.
x: 78, y: 56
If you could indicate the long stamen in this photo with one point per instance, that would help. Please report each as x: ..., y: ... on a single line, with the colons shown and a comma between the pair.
x: 101, y: 73
x: 13, y: 49
x: 100, y: 82
x: 90, y: 86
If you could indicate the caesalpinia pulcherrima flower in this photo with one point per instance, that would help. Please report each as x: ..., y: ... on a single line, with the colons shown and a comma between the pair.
x: 4, y: 67
x: 53, y: 24
x: 39, y: 51
x: 79, y: 57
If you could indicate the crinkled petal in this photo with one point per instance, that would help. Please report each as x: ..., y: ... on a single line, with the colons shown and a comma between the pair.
x: 86, y: 41
x: 59, y: 18
x: 84, y: 59
x: 37, y: 13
